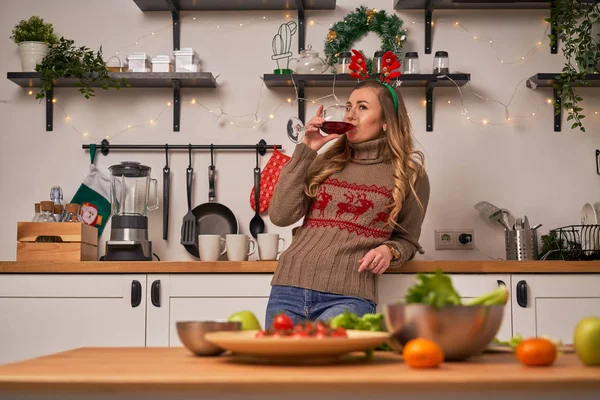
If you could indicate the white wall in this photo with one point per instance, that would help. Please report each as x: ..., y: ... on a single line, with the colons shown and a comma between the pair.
x: 524, y: 166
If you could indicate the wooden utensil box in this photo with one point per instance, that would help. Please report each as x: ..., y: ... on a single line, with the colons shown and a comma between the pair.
x: 61, y: 241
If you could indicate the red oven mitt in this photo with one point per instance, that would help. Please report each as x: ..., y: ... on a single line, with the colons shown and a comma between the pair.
x: 268, y: 178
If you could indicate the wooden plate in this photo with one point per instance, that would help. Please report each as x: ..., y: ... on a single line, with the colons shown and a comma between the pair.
x: 295, y: 350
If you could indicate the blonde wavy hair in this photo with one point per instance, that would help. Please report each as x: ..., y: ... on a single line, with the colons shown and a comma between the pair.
x: 408, y: 163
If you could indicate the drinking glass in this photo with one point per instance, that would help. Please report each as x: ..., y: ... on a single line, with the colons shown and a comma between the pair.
x: 334, y: 116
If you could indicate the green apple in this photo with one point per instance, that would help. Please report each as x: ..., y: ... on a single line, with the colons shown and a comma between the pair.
x: 586, y: 340
x: 247, y: 318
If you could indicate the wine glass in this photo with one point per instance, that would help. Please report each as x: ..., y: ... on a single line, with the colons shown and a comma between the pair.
x: 334, y: 116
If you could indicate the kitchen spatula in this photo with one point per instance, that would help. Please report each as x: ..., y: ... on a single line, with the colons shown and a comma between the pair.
x: 188, y: 228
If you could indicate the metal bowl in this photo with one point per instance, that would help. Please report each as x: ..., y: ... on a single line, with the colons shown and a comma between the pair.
x: 461, y: 331
x: 191, y: 334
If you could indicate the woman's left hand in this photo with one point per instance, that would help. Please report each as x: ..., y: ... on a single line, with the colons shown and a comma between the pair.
x: 376, y: 260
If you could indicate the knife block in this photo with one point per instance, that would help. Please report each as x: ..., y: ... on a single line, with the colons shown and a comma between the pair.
x: 57, y: 241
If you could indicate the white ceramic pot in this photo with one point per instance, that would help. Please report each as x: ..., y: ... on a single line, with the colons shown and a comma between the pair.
x: 31, y: 54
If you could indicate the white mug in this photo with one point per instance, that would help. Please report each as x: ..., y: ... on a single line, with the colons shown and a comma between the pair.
x: 211, y: 247
x: 268, y: 246
x: 237, y: 247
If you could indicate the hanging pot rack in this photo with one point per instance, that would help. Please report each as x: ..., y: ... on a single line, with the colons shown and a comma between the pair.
x: 105, y: 147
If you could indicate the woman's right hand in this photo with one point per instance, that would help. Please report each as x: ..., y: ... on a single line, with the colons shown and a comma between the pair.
x: 312, y: 136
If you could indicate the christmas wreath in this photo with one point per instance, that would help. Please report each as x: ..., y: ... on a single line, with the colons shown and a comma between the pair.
x: 355, y: 25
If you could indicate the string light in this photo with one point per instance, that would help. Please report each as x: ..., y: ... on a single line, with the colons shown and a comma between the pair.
x: 223, y: 117
x: 30, y: 92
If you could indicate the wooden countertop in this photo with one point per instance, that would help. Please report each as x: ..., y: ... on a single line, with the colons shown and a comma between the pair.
x: 246, y: 267
x: 161, y: 370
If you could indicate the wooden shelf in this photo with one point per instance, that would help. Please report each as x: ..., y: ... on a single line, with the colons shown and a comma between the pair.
x: 134, y: 79
x: 472, y: 5
x: 429, y: 5
x: 549, y: 79
x: 221, y: 5
x: 427, y: 81
x: 327, y: 80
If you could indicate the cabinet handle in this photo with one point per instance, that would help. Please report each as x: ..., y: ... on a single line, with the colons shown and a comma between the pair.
x: 136, y: 293
x: 522, y: 294
x: 501, y: 282
x: 155, y: 294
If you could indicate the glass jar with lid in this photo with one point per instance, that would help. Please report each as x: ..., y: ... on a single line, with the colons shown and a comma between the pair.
x: 411, y: 63
x: 72, y: 214
x: 343, y: 64
x: 47, y: 207
x: 441, y: 63
x: 38, y: 212
x: 377, y: 61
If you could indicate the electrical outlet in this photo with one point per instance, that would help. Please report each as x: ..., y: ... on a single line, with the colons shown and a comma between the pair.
x: 465, y: 239
x: 444, y: 239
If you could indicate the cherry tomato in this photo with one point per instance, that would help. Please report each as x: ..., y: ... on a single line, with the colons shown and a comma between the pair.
x: 339, y: 332
x: 282, y: 322
x: 300, y: 334
x: 260, y: 334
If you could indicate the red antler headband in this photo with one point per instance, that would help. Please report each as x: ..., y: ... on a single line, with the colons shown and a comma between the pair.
x: 389, y: 64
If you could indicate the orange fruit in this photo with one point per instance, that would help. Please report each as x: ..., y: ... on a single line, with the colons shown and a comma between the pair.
x: 536, y: 352
x: 422, y: 353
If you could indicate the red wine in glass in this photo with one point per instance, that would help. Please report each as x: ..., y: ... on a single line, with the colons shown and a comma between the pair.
x: 338, y: 127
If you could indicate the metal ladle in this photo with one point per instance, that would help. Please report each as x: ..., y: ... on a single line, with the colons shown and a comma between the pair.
x: 257, y: 225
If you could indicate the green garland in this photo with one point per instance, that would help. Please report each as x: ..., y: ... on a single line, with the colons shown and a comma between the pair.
x: 343, y: 34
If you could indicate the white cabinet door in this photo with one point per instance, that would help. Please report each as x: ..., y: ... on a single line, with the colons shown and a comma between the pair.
x: 43, y: 314
x: 553, y: 304
x: 185, y: 297
x: 392, y: 288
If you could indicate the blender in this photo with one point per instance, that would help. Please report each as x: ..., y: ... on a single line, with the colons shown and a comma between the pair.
x: 129, y: 195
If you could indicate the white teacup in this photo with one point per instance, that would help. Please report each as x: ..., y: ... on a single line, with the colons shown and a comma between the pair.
x: 237, y: 247
x: 268, y: 246
x: 211, y: 247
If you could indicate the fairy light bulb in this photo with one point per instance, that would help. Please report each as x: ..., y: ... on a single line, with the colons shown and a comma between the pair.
x: 151, y: 121
x: 485, y: 121
x: 533, y: 114
x: 30, y: 92
x: 289, y: 100
x: 448, y: 101
x: 169, y: 104
x: 85, y: 133
x: 455, y: 24
x: 549, y: 101
x: 271, y: 116
x: 193, y: 101
x: 128, y: 126
x: 54, y: 100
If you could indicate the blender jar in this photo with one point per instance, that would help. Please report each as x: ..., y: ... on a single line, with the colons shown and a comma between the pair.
x: 130, y: 189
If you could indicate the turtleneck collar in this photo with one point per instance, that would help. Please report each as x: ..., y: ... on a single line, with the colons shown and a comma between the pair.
x: 369, y: 152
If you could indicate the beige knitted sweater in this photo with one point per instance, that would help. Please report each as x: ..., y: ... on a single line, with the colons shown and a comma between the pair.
x: 346, y: 220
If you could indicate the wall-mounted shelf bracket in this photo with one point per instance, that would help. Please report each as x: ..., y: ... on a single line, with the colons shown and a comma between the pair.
x: 429, y: 105
x: 49, y: 110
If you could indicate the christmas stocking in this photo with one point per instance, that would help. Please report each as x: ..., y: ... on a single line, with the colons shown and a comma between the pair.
x: 268, y: 179
x: 93, y: 195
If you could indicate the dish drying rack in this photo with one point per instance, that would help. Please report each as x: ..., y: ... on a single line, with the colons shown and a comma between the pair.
x: 576, y: 243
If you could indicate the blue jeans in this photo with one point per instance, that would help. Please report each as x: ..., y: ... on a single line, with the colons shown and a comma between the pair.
x: 305, y: 304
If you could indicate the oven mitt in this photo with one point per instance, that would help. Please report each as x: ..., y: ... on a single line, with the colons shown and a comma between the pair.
x: 93, y: 195
x: 268, y: 179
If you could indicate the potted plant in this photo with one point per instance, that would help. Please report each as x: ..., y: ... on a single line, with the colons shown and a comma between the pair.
x: 64, y: 59
x: 33, y: 37
x: 574, y: 21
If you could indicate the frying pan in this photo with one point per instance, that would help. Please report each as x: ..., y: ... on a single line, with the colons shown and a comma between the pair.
x: 213, y: 218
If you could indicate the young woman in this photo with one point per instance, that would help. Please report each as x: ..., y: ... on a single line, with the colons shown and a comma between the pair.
x: 363, y: 201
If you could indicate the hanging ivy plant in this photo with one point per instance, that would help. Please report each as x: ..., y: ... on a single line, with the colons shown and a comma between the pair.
x: 355, y: 25
x: 67, y: 60
x: 573, y: 21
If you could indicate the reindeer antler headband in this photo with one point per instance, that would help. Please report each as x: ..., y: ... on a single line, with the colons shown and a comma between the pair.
x: 389, y: 63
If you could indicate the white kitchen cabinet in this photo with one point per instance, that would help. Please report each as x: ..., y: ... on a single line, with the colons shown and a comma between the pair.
x: 44, y: 314
x: 198, y: 297
x: 553, y: 304
x: 393, y: 288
